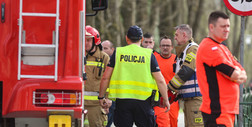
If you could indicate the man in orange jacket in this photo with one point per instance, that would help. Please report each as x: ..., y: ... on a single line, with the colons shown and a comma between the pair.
x: 219, y: 75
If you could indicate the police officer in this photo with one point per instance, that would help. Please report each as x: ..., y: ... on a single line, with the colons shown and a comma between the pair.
x: 185, y: 81
x: 97, y: 61
x: 131, y: 76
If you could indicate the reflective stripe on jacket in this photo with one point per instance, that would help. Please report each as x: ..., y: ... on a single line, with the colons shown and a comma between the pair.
x: 132, y: 78
x: 88, y: 95
x: 190, y: 87
x: 95, y: 67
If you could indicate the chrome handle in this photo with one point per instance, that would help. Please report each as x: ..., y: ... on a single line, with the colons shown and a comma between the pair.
x: 3, y: 12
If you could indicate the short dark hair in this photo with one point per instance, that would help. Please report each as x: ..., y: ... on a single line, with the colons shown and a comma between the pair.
x: 213, y: 17
x: 164, y: 37
x: 147, y: 35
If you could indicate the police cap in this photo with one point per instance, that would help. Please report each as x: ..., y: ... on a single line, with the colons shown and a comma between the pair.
x: 135, y: 33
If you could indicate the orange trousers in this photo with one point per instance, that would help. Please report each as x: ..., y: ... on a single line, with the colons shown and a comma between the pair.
x: 226, y: 119
x: 162, y: 117
x: 173, y: 114
x: 219, y: 119
x: 167, y: 119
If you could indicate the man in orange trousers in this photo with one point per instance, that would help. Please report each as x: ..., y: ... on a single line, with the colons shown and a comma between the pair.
x: 165, y: 61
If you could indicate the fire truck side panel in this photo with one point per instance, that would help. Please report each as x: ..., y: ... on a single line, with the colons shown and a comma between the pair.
x: 18, y: 95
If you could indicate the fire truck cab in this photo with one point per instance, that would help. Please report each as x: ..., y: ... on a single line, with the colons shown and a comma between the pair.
x: 42, y: 44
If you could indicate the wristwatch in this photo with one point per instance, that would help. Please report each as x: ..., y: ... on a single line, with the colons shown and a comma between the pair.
x: 99, y: 98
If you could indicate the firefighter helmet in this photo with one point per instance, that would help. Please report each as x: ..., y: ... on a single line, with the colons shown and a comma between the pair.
x: 88, y: 35
x: 95, y: 33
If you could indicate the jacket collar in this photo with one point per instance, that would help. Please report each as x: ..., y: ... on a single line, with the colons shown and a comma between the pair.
x: 179, y: 49
x: 96, y: 53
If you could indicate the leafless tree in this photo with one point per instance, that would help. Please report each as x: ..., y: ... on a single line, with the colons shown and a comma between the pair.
x: 159, y: 17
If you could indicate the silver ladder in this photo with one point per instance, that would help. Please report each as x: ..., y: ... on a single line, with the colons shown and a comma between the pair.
x: 53, y: 45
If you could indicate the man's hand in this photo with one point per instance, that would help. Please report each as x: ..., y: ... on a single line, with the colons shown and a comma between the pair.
x: 166, y: 104
x: 242, y: 78
x: 109, y: 102
x: 103, y: 103
x: 239, y: 76
x: 106, y: 110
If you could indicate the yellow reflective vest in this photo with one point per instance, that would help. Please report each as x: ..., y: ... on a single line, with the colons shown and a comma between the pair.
x: 131, y: 77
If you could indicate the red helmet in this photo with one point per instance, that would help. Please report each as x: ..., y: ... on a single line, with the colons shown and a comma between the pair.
x: 95, y: 33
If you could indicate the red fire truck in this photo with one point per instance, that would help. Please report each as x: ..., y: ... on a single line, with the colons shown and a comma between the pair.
x: 41, y: 62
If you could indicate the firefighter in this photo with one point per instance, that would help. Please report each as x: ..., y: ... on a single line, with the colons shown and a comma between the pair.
x: 185, y: 81
x: 131, y: 76
x: 97, y: 61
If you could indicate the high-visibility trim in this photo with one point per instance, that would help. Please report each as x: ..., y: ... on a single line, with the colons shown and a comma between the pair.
x: 130, y: 79
x: 191, y: 82
x: 176, y: 82
x: 190, y: 90
x: 126, y: 86
x: 186, y: 56
x: 198, y: 120
x: 189, y: 57
x: 105, y: 123
x: 130, y: 96
x: 90, y: 93
x: 94, y: 63
x: 134, y: 83
x: 86, y: 122
x: 190, y: 87
x: 91, y: 98
x: 129, y: 91
x: 192, y: 55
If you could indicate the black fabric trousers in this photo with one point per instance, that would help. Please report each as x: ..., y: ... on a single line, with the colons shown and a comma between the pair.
x: 210, y: 120
x: 129, y: 111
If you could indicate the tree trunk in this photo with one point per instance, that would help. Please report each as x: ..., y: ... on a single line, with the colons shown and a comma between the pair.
x: 128, y: 12
x: 142, y: 15
x: 197, y: 18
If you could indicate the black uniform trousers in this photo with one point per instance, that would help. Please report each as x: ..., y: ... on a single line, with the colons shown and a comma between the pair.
x: 129, y: 111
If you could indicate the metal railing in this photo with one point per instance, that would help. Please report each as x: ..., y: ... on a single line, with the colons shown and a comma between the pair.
x: 247, y: 108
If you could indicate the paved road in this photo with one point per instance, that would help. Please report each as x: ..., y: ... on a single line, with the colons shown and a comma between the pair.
x: 180, y: 120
